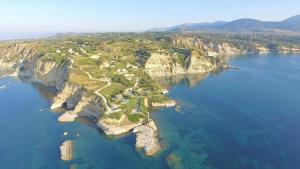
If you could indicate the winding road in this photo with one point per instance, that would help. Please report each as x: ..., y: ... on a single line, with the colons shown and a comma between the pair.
x: 97, y: 92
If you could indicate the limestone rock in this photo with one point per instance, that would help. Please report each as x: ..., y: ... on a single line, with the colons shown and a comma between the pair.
x: 13, y: 53
x: 30, y: 65
x: 159, y: 65
x: 198, y: 64
x: 162, y: 65
x: 88, y: 106
x: 66, y: 150
x: 68, y: 97
x: 50, y: 73
x: 169, y: 103
x: 68, y: 116
x: 116, y: 129
x: 146, y: 139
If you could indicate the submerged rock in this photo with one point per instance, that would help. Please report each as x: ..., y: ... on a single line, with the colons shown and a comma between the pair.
x: 174, y: 161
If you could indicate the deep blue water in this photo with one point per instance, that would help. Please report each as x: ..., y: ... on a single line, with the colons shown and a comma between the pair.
x: 238, y: 119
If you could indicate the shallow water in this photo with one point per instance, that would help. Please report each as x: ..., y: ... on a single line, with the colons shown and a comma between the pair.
x: 247, y: 118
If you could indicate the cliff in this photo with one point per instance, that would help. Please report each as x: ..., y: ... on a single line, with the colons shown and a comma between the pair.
x: 208, y: 47
x: 159, y: 65
x: 163, y: 65
x: 14, y: 53
x: 32, y: 66
x: 68, y: 97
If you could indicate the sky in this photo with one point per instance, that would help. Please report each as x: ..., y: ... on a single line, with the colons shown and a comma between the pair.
x: 17, y: 16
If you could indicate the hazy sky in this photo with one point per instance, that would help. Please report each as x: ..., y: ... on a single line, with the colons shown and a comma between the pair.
x: 132, y: 15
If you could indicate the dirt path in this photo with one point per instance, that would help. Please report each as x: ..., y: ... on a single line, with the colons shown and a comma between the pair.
x: 97, y: 92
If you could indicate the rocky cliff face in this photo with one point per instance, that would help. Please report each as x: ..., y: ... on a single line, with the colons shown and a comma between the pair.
x: 11, y: 54
x: 165, y: 65
x: 50, y: 73
x: 210, y: 48
x: 205, y: 56
x: 88, y: 106
x: 30, y: 65
x: 68, y: 97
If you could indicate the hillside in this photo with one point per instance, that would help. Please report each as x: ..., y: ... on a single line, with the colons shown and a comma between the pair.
x: 291, y: 24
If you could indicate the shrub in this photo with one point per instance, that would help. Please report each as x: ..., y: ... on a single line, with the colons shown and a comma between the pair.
x: 135, y: 117
x: 122, y: 80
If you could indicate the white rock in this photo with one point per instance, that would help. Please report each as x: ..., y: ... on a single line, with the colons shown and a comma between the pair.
x: 66, y: 150
x: 116, y: 129
x: 67, y: 117
x: 146, y: 139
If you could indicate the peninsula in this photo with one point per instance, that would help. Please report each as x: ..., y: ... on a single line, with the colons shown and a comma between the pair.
x: 109, y: 77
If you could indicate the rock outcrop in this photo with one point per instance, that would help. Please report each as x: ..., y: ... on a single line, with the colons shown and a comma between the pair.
x: 162, y: 65
x: 211, y: 48
x: 204, y: 56
x: 66, y: 150
x: 168, y: 103
x: 50, y: 73
x: 159, y: 65
x: 116, y: 129
x: 30, y: 65
x: 146, y: 138
x: 14, y: 53
x: 68, y: 97
x: 89, y: 106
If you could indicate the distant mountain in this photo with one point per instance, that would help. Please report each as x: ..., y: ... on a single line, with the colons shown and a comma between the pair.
x: 189, y: 27
x: 292, y: 23
x: 26, y: 35
x: 240, y: 25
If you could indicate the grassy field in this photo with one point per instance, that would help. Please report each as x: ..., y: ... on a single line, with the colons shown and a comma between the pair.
x: 112, y: 90
x: 79, y: 77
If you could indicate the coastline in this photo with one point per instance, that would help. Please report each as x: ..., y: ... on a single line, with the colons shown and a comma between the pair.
x: 117, y: 98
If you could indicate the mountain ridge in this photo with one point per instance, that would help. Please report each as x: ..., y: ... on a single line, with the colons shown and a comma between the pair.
x: 291, y: 24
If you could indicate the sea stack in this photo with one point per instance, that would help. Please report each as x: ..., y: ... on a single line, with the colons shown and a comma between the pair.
x: 66, y: 150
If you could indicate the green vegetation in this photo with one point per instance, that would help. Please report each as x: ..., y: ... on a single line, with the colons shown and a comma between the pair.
x: 82, y: 79
x: 149, y: 84
x: 135, y: 117
x: 122, y: 80
x: 180, y: 58
x: 116, y: 115
x: 86, y: 61
x: 132, y: 103
x: 143, y: 106
x: 56, y: 58
x: 112, y: 90
x: 158, y: 98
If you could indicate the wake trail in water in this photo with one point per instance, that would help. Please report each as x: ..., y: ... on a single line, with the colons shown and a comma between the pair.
x: 44, y: 109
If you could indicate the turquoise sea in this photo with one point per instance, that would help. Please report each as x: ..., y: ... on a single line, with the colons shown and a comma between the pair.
x: 236, y: 119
